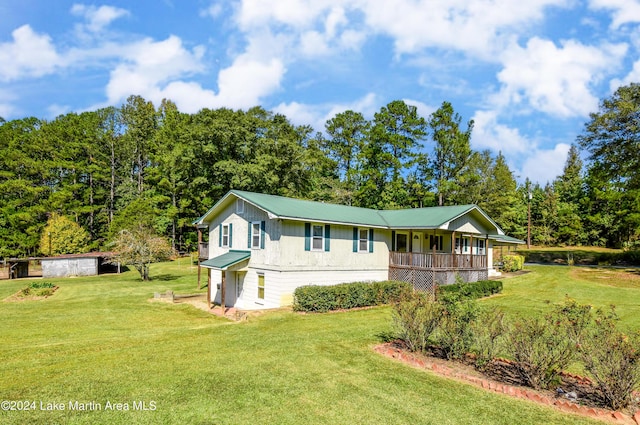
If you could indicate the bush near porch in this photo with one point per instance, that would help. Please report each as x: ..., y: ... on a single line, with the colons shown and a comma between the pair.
x: 319, y: 299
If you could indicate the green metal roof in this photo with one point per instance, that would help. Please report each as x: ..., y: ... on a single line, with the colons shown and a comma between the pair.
x: 424, y: 217
x: 298, y: 209
x: 224, y: 261
x: 506, y: 239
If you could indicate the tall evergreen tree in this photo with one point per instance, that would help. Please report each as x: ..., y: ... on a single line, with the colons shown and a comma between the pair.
x: 452, y: 150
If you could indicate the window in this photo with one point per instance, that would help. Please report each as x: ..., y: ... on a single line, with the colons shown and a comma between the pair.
x: 255, y: 235
x: 436, y: 240
x: 401, y: 242
x: 261, y: 287
x: 480, y: 247
x: 225, y: 236
x: 239, y: 206
x: 363, y: 244
x: 465, y: 245
x: 317, y: 242
x: 317, y: 237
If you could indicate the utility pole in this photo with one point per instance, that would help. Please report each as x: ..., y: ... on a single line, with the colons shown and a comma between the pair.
x: 529, y: 195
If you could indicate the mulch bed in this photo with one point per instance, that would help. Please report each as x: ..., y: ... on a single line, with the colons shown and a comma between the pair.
x: 501, y: 376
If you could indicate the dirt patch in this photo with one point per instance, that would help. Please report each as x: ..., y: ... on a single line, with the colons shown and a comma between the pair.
x: 573, y: 394
x: 610, y: 276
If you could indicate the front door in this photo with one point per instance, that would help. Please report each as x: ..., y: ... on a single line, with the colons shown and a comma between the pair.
x: 239, y: 284
x: 416, y: 244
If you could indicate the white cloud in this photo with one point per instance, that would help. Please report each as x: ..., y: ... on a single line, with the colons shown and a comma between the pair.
x: 632, y: 77
x: 97, y: 17
x: 317, y: 115
x: 556, y: 80
x: 150, y: 64
x: 622, y: 11
x: 489, y: 134
x: 477, y: 27
x: 423, y: 109
x: 214, y: 10
x: 156, y: 70
x: 544, y: 165
x: 247, y: 80
x: 28, y: 55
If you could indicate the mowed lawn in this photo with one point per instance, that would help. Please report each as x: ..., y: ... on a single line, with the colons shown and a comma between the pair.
x: 100, y: 340
x: 536, y: 291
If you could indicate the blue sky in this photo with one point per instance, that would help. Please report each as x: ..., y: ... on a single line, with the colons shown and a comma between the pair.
x: 528, y: 72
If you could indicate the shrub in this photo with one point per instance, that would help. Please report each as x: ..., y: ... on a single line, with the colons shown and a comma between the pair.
x: 613, y: 360
x: 540, y: 349
x: 574, y: 318
x: 482, y: 288
x: 312, y: 298
x: 38, y: 289
x: 512, y: 263
x: 455, y: 334
x: 415, y: 318
x: 488, y: 333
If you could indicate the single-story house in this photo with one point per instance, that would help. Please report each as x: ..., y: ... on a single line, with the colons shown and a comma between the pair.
x: 262, y: 247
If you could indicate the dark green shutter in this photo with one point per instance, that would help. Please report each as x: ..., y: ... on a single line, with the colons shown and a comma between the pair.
x: 393, y: 240
x: 355, y: 239
x: 327, y: 237
x: 249, y: 234
x: 307, y: 236
x: 230, y: 235
x: 220, y: 235
x: 262, y: 234
x: 370, y: 240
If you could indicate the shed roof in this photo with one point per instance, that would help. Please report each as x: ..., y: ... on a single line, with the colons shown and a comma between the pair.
x: 224, y: 261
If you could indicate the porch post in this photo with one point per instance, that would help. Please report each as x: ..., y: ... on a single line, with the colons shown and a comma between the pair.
x: 486, y: 251
x: 471, y: 250
x: 453, y: 249
x: 223, y: 287
x: 199, y: 243
x: 208, y: 286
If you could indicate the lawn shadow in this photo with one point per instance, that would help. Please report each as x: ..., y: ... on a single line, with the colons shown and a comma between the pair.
x: 165, y: 277
x: 386, y: 336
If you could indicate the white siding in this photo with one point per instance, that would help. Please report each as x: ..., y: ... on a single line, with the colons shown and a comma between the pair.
x: 468, y: 224
x: 279, y: 286
x: 339, y: 257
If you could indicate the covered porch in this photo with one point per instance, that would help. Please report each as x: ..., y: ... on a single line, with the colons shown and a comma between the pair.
x: 234, y: 262
x: 430, y: 258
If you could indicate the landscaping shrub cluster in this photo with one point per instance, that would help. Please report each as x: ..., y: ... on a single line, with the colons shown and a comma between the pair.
x: 313, y: 298
x: 540, y: 347
x: 512, y: 263
x: 482, y: 288
x: 38, y: 289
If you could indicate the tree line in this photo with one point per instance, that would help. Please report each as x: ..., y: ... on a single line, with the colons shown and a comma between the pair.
x: 140, y: 164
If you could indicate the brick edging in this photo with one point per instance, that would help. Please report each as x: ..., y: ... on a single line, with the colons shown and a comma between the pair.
x: 389, y: 350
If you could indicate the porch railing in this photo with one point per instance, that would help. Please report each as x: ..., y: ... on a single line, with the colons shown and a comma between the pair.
x: 437, y: 261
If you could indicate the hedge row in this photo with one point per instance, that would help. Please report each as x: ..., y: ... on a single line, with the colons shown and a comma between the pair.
x: 630, y: 258
x: 480, y: 289
x: 313, y: 298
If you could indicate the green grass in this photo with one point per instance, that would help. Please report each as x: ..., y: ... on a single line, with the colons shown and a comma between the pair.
x: 532, y: 293
x: 100, y: 339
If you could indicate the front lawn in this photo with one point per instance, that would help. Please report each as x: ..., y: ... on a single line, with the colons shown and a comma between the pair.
x: 100, y: 340
x: 532, y: 293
